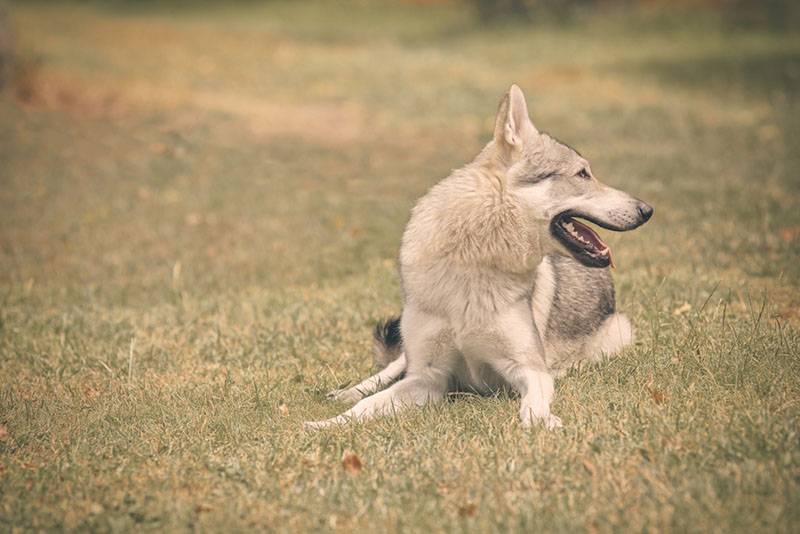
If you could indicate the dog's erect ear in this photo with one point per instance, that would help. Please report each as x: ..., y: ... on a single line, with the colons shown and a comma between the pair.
x: 513, y: 126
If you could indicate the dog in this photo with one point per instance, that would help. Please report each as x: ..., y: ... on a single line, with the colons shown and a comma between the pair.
x: 504, y: 286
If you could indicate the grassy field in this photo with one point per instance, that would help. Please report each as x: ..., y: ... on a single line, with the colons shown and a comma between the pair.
x: 200, y: 212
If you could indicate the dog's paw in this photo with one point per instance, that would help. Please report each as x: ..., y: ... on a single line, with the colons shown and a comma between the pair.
x: 345, y: 395
x: 550, y: 421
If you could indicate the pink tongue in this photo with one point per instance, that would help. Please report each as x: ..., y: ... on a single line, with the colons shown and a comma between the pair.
x: 589, y: 235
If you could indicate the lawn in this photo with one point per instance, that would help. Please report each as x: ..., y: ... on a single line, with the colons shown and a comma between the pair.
x: 200, y: 213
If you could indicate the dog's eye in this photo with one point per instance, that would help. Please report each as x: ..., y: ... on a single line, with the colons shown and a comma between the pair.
x: 536, y: 178
x: 584, y: 173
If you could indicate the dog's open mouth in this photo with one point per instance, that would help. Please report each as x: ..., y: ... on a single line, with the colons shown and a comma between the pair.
x: 581, y: 240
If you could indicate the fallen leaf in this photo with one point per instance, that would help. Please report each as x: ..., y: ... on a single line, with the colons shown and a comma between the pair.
x: 351, y: 463
x: 3, y: 432
x: 657, y: 395
x: 283, y: 409
x: 468, y: 510
x: 789, y: 234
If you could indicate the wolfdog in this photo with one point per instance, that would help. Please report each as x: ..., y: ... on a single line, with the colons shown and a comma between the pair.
x: 504, y: 288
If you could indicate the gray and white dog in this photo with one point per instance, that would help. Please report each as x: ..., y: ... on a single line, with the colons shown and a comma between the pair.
x: 503, y: 286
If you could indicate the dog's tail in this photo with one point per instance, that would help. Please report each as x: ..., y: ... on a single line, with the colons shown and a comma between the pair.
x: 388, y: 344
x: 614, y: 334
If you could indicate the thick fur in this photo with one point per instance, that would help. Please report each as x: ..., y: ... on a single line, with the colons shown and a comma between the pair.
x: 492, y: 298
x: 573, y: 307
x: 575, y: 310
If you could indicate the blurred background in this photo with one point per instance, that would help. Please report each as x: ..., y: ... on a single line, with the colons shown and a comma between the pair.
x: 220, y: 135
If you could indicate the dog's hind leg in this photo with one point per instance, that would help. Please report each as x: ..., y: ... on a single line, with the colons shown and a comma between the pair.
x: 410, y: 391
x: 389, y: 358
x: 374, y: 383
x: 613, y: 335
x: 429, y: 354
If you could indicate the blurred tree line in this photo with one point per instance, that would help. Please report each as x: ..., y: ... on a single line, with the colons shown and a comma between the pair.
x: 773, y: 14
x: 776, y: 14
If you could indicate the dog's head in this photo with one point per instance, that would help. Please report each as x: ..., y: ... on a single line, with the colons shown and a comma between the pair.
x: 555, y: 186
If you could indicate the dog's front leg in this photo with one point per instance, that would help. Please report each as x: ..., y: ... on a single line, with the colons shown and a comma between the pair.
x: 537, y: 394
x: 522, y: 365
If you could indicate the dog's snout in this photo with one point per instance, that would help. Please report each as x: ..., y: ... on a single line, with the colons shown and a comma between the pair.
x: 645, y: 211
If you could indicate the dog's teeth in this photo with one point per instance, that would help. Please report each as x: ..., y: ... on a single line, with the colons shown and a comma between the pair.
x: 571, y: 230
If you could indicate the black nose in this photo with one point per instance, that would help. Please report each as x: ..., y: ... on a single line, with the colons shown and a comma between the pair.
x: 645, y: 210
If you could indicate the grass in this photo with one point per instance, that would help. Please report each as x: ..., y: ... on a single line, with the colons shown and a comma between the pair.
x: 201, y: 211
